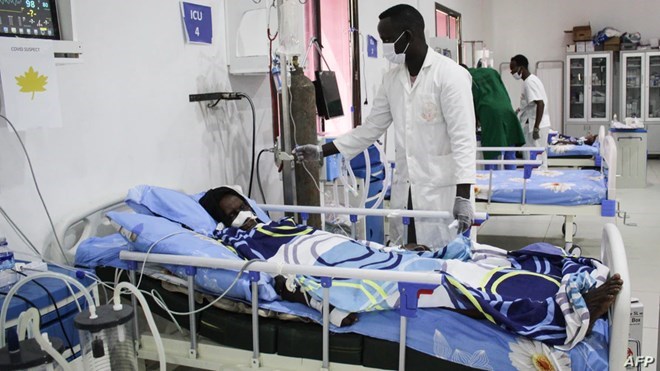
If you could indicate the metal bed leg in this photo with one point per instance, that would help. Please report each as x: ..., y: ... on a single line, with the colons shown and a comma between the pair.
x: 192, y: 352
x: 408, y: 304
x: 568, y: 236
x: 136, y: 323
x: 354, y: 220
x: 254, y: 279
x: 402, y: 343
x: 326, y: 282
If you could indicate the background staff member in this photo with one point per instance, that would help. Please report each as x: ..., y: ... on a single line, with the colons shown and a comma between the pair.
x: 534, y: 116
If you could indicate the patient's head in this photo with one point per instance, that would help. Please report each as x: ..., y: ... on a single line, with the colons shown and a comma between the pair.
x: 590, y: 139
x: 228, y: 207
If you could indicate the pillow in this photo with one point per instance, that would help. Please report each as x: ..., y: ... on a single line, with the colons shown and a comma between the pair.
x: 142, y: 231
x: 178, y: 207
x: 102, y: 251
x: 173, y: 205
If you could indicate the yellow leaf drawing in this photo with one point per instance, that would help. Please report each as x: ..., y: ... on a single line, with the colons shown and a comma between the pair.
x: 32, y: 82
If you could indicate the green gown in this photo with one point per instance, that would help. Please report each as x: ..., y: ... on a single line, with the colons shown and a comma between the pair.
x: 499, y: 123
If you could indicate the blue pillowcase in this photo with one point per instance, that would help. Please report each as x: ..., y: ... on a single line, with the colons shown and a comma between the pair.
x: 173, y: 205
x: 102, y: 251
x: 142, y: 231
x: 178, y: 207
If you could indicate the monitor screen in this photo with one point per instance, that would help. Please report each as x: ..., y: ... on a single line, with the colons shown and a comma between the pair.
x: 328, y: 100
x: 29, y: 18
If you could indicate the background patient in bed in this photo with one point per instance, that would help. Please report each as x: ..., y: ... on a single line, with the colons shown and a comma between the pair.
x: 530, y: 297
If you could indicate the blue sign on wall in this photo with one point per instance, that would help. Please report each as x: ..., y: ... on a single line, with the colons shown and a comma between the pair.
x: 372, y: 47
x: 197, y: 20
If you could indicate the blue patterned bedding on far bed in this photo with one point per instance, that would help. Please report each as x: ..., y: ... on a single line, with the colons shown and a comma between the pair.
x: 572, y: 150
x: 545, y: 187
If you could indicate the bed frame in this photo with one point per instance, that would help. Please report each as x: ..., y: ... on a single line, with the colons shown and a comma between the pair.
x: 208, y: 355
x: 606, y: 209
x: 579, y: 162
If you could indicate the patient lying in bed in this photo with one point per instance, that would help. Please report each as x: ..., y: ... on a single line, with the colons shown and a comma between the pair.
x: 535, y: 292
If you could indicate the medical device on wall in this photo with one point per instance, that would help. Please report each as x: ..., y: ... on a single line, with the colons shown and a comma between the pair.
x: 328, y: 101
x: 107, y: 342
x: 29, y: 18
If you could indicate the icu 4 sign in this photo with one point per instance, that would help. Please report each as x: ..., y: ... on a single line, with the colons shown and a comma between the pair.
x: 197, y: 21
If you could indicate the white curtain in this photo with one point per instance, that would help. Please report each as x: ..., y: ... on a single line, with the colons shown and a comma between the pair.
x: 551, y: 75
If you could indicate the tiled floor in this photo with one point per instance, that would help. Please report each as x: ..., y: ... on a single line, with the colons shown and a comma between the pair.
x: 641, y: 236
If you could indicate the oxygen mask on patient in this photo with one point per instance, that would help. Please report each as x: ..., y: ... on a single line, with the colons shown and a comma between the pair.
x: 245, y: 220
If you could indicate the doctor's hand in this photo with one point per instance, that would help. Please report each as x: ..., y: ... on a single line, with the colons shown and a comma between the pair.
x: 308, y: 152
x: 463, y: 213
x: 535, y: 134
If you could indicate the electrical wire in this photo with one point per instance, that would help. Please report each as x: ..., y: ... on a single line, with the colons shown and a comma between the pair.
x: 210, y: 304
x: 36, y: 185
x: 144, y: 263
x: 261, y: 189
x: 57, y: 311
x: 28, y: 301
x: 254, y: 139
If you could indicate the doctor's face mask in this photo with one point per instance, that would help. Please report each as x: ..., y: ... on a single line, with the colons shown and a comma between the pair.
x: 389, y: 51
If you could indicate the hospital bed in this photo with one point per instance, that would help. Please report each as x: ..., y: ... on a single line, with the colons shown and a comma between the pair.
x: 577, y: 156
x: 299, y: 346
x: 567, y: 193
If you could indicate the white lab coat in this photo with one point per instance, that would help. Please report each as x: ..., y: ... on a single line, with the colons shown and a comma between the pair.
x: 434, y: 129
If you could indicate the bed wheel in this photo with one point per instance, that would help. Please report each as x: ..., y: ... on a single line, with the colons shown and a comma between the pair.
x: 575, y: 251
x: 563, y: 229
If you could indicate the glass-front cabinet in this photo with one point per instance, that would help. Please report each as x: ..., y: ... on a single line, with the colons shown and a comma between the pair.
x: 588, y: 88
x: 640, y: 82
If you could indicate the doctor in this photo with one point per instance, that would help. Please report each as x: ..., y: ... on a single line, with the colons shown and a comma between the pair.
x: 428, y: 99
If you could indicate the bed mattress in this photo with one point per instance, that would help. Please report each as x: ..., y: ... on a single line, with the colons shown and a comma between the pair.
x: 572, y: 150
x: 545, y: 187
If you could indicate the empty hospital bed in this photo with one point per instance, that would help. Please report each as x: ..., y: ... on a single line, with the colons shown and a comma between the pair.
x: 372, y: 342
x: 562, y: 192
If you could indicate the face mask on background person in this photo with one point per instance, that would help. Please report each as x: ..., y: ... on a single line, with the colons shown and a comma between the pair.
x: 517, y: 75
x: 242, y: 217
x: 390, y: 54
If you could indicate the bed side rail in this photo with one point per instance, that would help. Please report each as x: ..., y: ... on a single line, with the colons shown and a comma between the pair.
x: 613, y: 254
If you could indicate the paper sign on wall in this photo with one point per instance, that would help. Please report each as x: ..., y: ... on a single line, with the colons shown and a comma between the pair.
x: 29, y: 83
x: 372, y: 47
x: 197, y: 23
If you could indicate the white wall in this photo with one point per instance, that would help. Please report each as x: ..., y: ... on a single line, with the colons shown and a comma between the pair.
x: 127, y: 119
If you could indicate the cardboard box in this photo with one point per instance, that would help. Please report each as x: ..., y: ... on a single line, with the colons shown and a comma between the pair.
x: 582, y: 33
x: 570, y: 48
x: 636, y: 329
x: 589, y: 46
x: 580, y: 47
x: 612, y: 44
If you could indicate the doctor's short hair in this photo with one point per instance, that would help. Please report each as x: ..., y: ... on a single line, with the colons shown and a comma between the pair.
x: 521, y: 61
x: 404, y: 16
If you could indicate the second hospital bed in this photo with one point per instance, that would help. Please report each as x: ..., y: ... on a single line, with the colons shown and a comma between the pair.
x: 563, y: 192
x: 577, y: 155
x: 433, y: 335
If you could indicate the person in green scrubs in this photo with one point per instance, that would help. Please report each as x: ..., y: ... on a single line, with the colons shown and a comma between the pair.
x: 499, y: 123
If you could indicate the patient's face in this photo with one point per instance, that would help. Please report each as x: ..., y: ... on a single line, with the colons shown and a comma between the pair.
x: 231, y: 205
